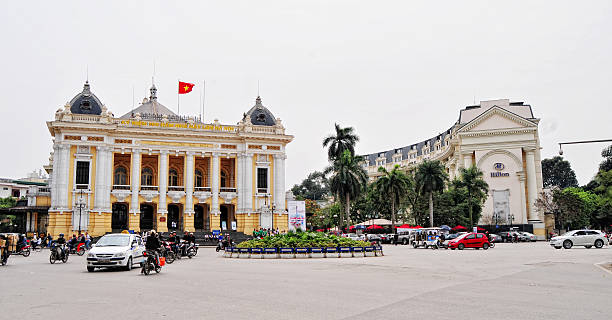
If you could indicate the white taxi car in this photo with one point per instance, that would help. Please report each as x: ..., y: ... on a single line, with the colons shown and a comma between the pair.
x: 586, y: 238
x: 116, y: 250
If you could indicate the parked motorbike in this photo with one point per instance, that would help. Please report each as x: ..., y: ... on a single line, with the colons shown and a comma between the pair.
x: 25, y: 251
x: 185, y: 249
x: 58, y: 254
x: 150, y: 263
x: 222, y: 244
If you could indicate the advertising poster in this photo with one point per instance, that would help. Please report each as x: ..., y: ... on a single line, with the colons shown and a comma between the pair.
x: 297, y: 215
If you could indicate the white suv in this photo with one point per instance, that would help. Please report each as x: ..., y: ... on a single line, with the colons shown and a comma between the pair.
x: 586, y: 238
x: 116, y: 250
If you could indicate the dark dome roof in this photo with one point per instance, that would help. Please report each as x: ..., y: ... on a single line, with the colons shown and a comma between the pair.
x: 150, y: 106
x: 260, y: 115
x: 86, y: 102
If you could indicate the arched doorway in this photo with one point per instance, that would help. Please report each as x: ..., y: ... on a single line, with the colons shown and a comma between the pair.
x: 174, y: 222
x: 200, y: 219
x: 146, y: 217
x: 119, y: 217
x: 227, y: 216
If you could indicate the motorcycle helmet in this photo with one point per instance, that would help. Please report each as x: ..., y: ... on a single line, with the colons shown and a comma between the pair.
x: 61, y: 235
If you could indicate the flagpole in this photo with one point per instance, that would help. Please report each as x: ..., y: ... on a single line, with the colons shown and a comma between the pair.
x: 178, y: 100
x: 203, y: 98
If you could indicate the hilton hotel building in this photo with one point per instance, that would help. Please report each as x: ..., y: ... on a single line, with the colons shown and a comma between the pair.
x: 499, y: 137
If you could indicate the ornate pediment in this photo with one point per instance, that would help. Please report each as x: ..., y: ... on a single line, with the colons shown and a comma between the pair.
x: 149, y: 195
x: 497, y: 118
x: 227, y: 196
x: 202, y: 195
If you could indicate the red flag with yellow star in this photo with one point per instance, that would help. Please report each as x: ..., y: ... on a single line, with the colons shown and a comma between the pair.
x: 185, y: 87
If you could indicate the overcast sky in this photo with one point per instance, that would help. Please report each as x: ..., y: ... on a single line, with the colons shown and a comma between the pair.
x: 396, y: 71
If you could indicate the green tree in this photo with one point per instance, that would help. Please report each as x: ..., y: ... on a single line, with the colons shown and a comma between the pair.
x: 431, y: 177
x: 314, y: 187
x: 344, y: 139
x: 557, y: 172
x: 576, y: 207
x: 348, y: 179
x: 7, y: 202
x: 477, y: 189
x: 606, y: 165
x: 393, y: 185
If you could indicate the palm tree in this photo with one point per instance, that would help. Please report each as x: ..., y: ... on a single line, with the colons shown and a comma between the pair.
x: 393, y: 184
x: 348, y: 179
x: 471, y: 180
x: 344, y: 139
x: 431, y: 177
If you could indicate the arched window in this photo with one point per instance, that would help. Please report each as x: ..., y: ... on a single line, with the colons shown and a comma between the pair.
x: 223, y: 179
x: 172, y: 177
x: 146, y: 177
x: 199, y: 181
x: 120, y: 177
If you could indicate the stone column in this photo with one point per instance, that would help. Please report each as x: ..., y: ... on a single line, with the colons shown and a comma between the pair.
x: 100, y: 177
x: 108, y: 181
x: 532, y: 185
x: 135, y: 173
x: 521, y: 177
x: 189, y: 176
x: 214, y: 175
x: 279, y: 182
x: 467, y: 160
x: 240, y: 184
x: 163, y: 182
x: 248, y: 183
x: 54, y: 194
x: 64, y: 173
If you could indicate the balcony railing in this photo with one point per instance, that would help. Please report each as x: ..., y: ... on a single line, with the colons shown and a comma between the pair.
x: 224, y: 189
x: 149, y: 188
x: 176, y: 188
x: 121, y: 187
x: 202, y: 189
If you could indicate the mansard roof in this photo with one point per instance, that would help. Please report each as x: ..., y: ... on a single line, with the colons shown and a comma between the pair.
x: 85, y: 102
x: 259, y: 115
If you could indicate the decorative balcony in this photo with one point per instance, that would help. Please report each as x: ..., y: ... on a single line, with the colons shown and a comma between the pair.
x: 262, y: 190
x: 202, y: 193
x: 121, y: 187
x: 176, y: 193
x: 82, y: 187
x: 149, y: 192
x: 176, y: 188
x: 225, y: 189
x: 202, y: 189
x: 121, y: 193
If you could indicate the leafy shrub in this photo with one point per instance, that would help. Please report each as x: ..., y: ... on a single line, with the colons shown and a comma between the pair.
x: 302, y: 240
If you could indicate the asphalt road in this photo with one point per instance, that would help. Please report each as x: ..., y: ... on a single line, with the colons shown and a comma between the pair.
x: 510, y: 281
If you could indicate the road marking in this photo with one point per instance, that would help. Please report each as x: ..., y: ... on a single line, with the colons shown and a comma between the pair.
x: 601, y: 266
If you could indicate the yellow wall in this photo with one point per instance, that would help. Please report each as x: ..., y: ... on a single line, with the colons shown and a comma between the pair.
x: 42, y: 201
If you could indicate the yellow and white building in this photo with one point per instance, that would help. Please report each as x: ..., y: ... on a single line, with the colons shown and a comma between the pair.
x: 499, y: 137
x: 153, y: 169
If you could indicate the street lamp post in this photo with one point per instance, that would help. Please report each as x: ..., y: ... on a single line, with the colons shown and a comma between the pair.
x: 511, y: 217
x: 80, y: 205
x: 581, y: 142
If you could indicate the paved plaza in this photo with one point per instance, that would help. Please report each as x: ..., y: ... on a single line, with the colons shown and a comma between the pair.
x: 510, y: 281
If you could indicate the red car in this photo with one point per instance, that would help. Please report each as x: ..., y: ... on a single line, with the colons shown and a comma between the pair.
x: 470, y: 240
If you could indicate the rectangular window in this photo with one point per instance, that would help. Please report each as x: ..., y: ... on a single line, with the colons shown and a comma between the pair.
x: 262, y: 180
x: 82, y: 174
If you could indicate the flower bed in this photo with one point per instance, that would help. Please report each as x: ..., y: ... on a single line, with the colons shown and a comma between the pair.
x: 304, y: 245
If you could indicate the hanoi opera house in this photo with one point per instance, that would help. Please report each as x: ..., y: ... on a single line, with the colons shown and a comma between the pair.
x: 499, y: 137
x: 153, y: 169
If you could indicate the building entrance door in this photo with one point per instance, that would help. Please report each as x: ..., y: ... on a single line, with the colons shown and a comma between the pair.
x: 146, y: 217
x: 174, y: 222
x: 119, y: 218
x: 200, y: 219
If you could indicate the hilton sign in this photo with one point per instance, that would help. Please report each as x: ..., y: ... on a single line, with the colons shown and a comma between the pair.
x: 499, y: 167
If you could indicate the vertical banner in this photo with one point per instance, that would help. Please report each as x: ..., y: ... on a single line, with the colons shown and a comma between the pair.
x: 297, y: 215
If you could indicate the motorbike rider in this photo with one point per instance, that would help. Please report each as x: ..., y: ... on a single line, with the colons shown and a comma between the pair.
x: 153, y: 246
x: 61, y: 242
x: 72, y: 243
x: 174, y: 240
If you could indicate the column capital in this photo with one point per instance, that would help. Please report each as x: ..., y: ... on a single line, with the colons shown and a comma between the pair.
x: 521, y: 175
x: 216, y: 154
x: 529, y: 149
x: 190, y: 153
x: 280, y: 156
x: 163, y: 152
x: 136, y: 150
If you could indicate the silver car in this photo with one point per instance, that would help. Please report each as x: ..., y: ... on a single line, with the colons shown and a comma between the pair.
x: 586, y: 238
